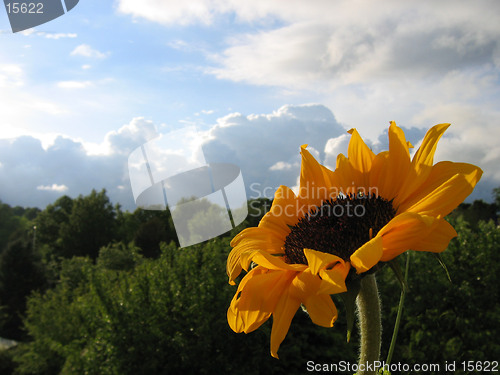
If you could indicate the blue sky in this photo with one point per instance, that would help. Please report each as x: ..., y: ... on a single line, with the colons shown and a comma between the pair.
x: 79, y: 92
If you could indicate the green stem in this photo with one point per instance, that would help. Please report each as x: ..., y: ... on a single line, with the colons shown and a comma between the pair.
x: 370, y: 326
x: 400, y: 313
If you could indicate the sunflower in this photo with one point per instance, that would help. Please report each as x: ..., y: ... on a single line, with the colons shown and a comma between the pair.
x: 369, y: 210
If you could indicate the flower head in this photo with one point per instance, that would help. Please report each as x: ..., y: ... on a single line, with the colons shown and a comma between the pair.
x: 342, y: 224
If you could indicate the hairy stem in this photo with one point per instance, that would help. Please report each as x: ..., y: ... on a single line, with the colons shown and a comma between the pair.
x: 368, y: 303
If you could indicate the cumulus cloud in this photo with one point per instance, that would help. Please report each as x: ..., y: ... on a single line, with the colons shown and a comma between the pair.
x: 87, y: 51
x: 264, y: 146
x: 34, y: 175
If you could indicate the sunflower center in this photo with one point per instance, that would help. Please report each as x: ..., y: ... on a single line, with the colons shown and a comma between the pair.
x: 339, y: 226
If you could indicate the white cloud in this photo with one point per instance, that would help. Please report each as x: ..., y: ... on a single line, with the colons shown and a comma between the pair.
x: 170, y: 12
x: 265, y: 147
x: 281, y: 166
x: 87, y: 51
x: 57, y: 35
x: 371, y: 62
x: 130, y: 136
x: 33, y: 32
x: 11, y: 75
x: 333, y: 147
x: 74, y: 84
x: 53, y: 187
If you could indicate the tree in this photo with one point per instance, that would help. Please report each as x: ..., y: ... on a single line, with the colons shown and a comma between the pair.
x: 49, y: 222
x: 11, y: 220
x: 90, y: 225
x: 20, y: 273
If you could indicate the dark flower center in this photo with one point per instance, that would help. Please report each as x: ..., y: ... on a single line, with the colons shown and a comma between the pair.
x: 339, y: 226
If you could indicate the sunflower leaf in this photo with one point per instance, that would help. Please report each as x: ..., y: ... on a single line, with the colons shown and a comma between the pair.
x: 441, y: 262
x: 349, y: 299
x: 396, y: 268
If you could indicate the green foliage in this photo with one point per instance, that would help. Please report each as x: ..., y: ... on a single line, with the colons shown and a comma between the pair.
x: 450, y: 321
x: 48, y: 222
x: 474, y: 212
x: 118, y: 257
x: 13, y: 220
x: 152, y: 230
x: 7, y: 364
x: 166, y: 316
x: 90, y: 226
x: 20, y: 274
x: 130, y: 302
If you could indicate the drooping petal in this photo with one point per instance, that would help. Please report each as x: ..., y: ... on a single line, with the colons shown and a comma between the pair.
x: 438, y: 238
x: 245, y: 244
x: 254, y: 302
x: 333, y: 280
x: 446, y: 187
x: 422, y: 162
x: 304, y: 285
x: 402, y: 233
x: 275, y: 263
x: 282, y: 318
x: 367, y: 255
x: 321, y: 310
x: 236, y: 321
x: 318, y: 260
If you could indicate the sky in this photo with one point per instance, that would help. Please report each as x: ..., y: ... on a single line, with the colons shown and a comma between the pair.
x: 256, y: 79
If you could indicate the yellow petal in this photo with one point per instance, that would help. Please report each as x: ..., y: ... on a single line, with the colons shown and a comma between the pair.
x: 254, y: 302
x: 245, y: 244
x: 367, y: 255
x: 379, y: 164
x: 392, y: 177
x: 438, y: 238
x: 422, y: 162
x: 304, y: 285
x: 313, y: 188
x: 317, y: 260
x: 285, y: 211
x: 424, y: 157
x: 275, y: 263
x: 446, y: 187
x: 360, y: 157
x: 333, y: 281
x: 236, y: 320
x: 321, y: 310
x: 282, y: 317
x: 402, y: 233
x: 346, y: 175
